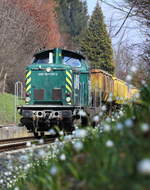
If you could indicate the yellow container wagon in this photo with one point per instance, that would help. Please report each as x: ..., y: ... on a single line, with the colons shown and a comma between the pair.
x: 120, y: 91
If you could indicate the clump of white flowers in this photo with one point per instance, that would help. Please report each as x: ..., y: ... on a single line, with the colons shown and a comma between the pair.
x: 144, y: 166
x: 80, y: 133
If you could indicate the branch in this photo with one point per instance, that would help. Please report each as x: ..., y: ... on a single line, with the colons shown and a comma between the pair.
x: 124, y: 21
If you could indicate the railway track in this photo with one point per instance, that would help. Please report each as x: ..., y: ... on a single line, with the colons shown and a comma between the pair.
x: 4, y: 141
x: 22, y: 143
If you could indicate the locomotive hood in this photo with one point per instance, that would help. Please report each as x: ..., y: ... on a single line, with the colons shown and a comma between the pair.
x: 49, y: 84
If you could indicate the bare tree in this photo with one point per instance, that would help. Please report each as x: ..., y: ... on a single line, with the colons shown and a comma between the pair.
x: 24, y: 28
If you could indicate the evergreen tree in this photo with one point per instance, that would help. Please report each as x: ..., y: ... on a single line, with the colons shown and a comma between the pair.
x: 73, y: 18
x: 96, y: 44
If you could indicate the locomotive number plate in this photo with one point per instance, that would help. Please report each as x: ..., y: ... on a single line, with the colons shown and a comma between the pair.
x: 47, y: 74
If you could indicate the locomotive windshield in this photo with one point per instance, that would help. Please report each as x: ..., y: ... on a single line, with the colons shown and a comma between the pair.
x: 43, y: 58
x: 74, y: 62
x: 40, y: 61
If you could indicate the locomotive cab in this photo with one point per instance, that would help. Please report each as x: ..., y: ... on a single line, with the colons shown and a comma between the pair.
x: 56, y: 89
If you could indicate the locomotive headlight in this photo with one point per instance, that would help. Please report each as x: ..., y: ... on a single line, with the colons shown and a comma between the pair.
x: 28, y: 99
x: 68, y: 99
x: 48, y: 69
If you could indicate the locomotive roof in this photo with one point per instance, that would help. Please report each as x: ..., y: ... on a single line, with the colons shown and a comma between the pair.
x: 64, y: 51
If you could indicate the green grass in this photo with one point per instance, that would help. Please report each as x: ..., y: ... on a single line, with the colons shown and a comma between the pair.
x: 109, y: 160
x: 7, y: 107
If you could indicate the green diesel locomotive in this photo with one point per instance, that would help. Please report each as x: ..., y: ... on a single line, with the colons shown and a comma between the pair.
x: 57, y: 88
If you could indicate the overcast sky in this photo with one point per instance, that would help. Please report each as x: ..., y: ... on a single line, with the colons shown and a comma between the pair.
x: 132, y: 34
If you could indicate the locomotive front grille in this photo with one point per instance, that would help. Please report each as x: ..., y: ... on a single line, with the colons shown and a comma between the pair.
x: 38, y: 94
x: 56, y: 94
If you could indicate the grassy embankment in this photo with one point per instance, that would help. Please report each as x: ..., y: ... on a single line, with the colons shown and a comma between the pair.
x: 113, y: 156
x: 7, y: 107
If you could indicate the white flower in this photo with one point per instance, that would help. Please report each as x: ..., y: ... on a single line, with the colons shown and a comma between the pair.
x: 82, y: 113
x: 145, y: 127
x: 67, y: 137
x: 80, y: 133
x: 143, y: 82
x: 96, y: 118
x: 110, y: 99
x: 53, y: 171
x: 6, y: 173
x: 26, y: 167
x: 8, y: 156
x: 144, y: 166
x: 103, y: 108
x: 41, y: 153
x: 24, y: 158
x: 128, y: 78
x: 121, y: 113
x: 41, y: 141
x: 108, y: 119
x: 107, y: 128
x: 119, y: 126
x: 61, y: 133
x: 28, y: 143
x: 101, y: 113
x: 129, y: 122
x: 62, y: 157
x: 109, y: 143
x: 78, y: 146
x: 56, y: 140
x: 52, y: 132
x: 133, y: 69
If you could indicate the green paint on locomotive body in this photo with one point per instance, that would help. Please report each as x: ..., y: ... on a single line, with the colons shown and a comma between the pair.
x: 58, y: 82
